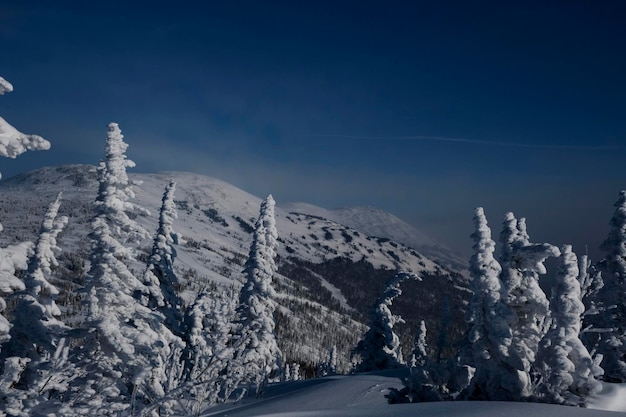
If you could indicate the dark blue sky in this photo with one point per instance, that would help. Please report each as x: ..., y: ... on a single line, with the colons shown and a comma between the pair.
x: 338, y: 103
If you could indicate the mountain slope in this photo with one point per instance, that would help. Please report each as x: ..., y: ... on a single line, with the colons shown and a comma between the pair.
x: 329, y: 272
x: 376, y: 222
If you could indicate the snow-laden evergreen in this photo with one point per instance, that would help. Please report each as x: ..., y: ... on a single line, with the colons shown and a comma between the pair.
x: 488, y: 344
x: 522, y: 263
x: 380, y: 347
x: 159, y: 277
x: 329, y: 367
x: 37, y: 331
x: 118, y: 350
x: 35, y: 365
x: 567, y: 369
x: 419, y: 354
x: 613, y: 295
x: 591, y: 283
x: 207, y: 353
x: 12, y: 144
x: 256, y: 352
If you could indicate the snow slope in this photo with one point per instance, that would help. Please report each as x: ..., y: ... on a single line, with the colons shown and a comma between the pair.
x: 376, y: 222
x: 362, y: 395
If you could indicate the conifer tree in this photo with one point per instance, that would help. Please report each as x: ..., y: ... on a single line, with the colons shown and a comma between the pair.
x: 37, y: 337
x: 487, y: 346
x: 380, y: 346
x: 208, y: 323
x: 329, y: 367
x: 159, y: 277
x: 12, y: 144
x: 613, y: 295
x: 36, y: 328
x: 117, y: 351
x: 567, y: 369
x: 419, y: 354
x: 256, y: 352
x: 522, y: 263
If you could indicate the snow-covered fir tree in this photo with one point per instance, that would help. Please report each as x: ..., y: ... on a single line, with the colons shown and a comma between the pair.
x: 568, y: 371
x: 488, y: 343
x: 207, y: 353
x: 380, y: 346
x: 37, y: 341
x: 419, y: 354
x: 591, y: 283
x: 36, y: 327
x: 329, y: 367
x: 594, y: 318
x: 522, y: 263
x: 12, y: 144
x: 429, y: 380
x: 256, y: 352
x: 159, y: 277
x: 117, y: 351
x: 612, y: 343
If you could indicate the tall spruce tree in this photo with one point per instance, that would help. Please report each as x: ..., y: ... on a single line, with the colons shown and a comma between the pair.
x: 37, y: 351
x: 612, y: 322
x: 12, y: 144
x: 488, y: 342
x: 568, y: 371
x: 36, y: 328
x: 159, y: 277
x: 256, y: 352
x: 380, y: 346
x: 118, y: 349
x: 522, y: 263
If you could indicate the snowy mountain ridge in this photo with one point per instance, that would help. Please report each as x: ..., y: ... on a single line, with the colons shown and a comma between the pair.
x: 377, y: 222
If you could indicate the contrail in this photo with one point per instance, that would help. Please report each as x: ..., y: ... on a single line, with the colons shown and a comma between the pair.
x: 473, y: 141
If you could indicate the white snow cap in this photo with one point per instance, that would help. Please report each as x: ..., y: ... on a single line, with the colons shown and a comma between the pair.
x: 5, y: 86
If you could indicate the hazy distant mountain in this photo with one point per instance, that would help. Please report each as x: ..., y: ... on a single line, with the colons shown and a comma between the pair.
x: 332, y: 263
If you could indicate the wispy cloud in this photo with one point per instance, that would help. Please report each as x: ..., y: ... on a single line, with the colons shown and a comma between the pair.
x: 472, y: 141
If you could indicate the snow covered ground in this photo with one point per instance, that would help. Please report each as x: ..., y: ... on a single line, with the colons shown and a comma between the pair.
x: 363, y: 395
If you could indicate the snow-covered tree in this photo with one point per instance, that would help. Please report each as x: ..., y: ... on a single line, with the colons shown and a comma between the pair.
x: 159, y: 277
x: 117, y: 351
x: 429, y: 380
x: 207, y: 354
x: 613, y: 295
x: 380, y: 346
x: 329, y: 367
x: 419, y: 354
x: 37, y: 334
x: 292, y: 372
x: 36, y: 328
x: 488, y: 343
x: 568, y: 371
x: 12, y: 144
x: 522, y: 263
x: 591, y: 282
x: 256, y: 352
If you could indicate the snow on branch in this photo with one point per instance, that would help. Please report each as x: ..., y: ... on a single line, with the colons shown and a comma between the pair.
x: 5, y: 86
x: 14, y: 143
